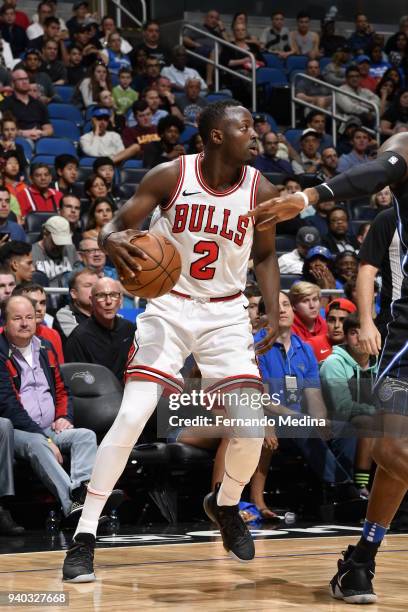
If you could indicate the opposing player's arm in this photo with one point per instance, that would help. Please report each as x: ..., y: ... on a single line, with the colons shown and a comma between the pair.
x: 267, y: 270
x: 115, y: 237
x: 390, y: 168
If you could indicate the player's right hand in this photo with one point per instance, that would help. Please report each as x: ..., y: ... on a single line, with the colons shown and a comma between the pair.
x: 276, y: 210
x: 369, y: 338
x: 122, y: 253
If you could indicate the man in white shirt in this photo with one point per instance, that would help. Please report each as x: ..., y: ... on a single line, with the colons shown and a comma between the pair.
x: 179, y: 73
x: 349, y: 106
x: 292, y: 262
x: 102, y: 143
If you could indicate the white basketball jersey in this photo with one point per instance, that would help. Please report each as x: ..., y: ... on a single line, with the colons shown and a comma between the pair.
x: 209, y: 230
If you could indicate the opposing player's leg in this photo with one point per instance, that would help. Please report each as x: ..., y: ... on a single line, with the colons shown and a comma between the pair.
x: 160, y: 345
x: 227, y: 362
x: 353, y: 581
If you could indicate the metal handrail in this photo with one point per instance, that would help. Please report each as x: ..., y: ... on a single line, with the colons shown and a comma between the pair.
x: 215, y: 61
x: 121, y: 9
x: 333, y: 113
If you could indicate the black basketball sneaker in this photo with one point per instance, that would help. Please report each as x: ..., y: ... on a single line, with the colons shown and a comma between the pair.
x: 235, y: 535
x: 353, y: 581
x: 78, y: 563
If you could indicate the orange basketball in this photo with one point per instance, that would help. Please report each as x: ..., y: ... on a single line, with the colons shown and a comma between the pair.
x: 160, y: 271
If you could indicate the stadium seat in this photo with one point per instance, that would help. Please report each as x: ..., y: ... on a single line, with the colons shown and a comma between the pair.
x: 287, y: 280
x: 293, y: 137
x: 355, y: 225
x: 273, y: 61
x: 55, y: 146
x: 132, y: 175
x: 43, y: 159
x: 133, y: 163
x: 65, y: 129
x: 276, y: 178
x: 84, y: 172
x: 28, y: 149
x: 272, y: 77
x: 86, y: 162
x: 69, y: 112
x: 285, y: 242
x: 65, y: 92
x: 97, y: 395
x: 362, y: 212
x: 324, y: 61
x: 87, y: 127
x: 296, y: 62
x: 88, y: 112
x: 33, y: 224
x: 187, y: 133
x: 216, y: 96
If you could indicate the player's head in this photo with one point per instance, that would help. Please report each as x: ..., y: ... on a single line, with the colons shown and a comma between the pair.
x: 228, y: 127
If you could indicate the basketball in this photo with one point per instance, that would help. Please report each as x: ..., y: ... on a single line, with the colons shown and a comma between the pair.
x: 160, y: 271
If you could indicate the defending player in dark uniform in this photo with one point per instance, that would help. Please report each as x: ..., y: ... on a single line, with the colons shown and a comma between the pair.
x: 353, y: 581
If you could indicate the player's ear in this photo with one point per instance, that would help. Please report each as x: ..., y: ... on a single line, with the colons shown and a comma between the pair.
x: 217, y: 136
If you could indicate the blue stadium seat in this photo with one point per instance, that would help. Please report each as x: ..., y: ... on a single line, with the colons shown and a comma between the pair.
x: 287, y: 280
x: 133, y: 163
x: 87, y: 127
x: 65, y: 92
x: 271, y: 76
x: 187, y: 133
x: 296, y: 62
x: 55, y: 146
x: 285, y: 242
x: 293, y: 137
x: 69, y: 112
x: 273, y: 61
x: 324, y: 61
x: 43, y: 159
x: 65, y: 129
x: 216, y: 96
x: 28, y: 149
x: 88, y: 112
x: 87, y: 162
x: 132, y: 175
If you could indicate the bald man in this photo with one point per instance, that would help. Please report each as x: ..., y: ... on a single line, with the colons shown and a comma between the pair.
x: 105, y: 338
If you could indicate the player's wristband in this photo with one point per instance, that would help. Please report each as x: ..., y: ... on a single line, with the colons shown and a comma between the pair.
x: 305, y: 198
x: 101, y: 241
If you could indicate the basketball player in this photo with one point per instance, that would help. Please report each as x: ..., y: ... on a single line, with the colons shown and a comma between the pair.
x: 202, y: 204
x: 353, y: 581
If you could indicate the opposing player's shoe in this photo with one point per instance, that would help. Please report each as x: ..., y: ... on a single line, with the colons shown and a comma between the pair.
x: 353, y: 581
x: 235, y: 534
x: 78, y: 563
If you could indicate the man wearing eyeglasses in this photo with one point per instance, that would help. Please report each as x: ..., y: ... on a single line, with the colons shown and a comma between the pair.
x: 32, y: 117
x: 104, y: 338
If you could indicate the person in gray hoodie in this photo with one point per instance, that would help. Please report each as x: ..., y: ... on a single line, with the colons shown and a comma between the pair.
x: 347, y: 377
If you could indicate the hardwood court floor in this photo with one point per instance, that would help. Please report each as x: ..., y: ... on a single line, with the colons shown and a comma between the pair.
x: 286, y: 575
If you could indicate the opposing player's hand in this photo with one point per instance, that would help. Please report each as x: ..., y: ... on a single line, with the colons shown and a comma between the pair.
x: 369, y: 338
x: 122, y: 253
x: 276, y: 210
x: 272, y: 333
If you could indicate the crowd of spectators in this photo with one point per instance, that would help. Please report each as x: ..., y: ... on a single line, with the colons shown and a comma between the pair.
x: 142, y: 104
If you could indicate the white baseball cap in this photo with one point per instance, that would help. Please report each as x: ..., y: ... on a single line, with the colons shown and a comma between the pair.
x: 59, y: 229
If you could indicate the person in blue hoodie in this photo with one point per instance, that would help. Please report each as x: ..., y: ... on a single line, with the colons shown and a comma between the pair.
x: 347, y: 377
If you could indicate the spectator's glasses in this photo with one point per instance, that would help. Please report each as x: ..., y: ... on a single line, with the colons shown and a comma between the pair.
x: 90, y: 251
x: 115, y: 296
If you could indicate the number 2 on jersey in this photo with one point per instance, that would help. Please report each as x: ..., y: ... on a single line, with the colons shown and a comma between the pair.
x: 201, y: 269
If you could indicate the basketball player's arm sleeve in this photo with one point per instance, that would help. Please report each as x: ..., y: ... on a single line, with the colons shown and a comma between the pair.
x: 389, y: 168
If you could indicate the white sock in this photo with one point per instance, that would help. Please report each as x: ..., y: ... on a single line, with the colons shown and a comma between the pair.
x: 139, y: 401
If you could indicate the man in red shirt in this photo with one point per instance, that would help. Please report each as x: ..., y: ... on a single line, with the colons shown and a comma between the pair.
x: 39, y: 196
x: 305, y: 300
x: 336, y: 311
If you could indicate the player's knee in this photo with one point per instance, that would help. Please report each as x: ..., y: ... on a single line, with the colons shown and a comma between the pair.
x: 247, y: 445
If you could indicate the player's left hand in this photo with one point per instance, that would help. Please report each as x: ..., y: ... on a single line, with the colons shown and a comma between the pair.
x: 272, y: 333
x: 276, y: 210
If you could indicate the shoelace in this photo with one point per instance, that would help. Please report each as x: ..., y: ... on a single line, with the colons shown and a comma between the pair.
x: 81, y: 552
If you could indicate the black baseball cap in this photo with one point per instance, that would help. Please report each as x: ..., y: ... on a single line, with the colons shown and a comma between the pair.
x: 308, y: 236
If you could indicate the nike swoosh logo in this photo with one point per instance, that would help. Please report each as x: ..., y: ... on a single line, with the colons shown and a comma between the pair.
x: 340, y: 578
x: 185, y: 194
x: 324, y: 351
